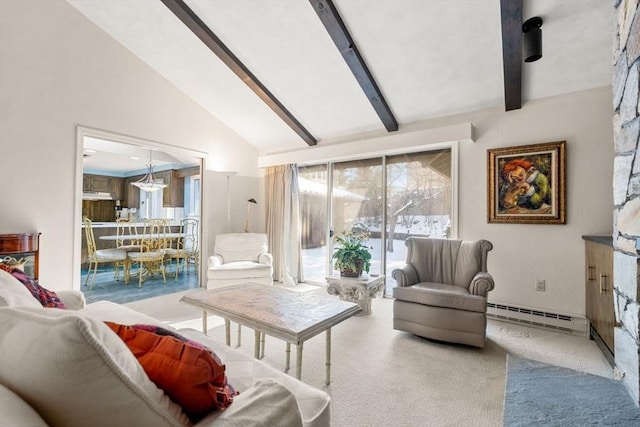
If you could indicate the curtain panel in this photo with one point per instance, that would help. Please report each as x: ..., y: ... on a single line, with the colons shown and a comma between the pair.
x: 283, y: 223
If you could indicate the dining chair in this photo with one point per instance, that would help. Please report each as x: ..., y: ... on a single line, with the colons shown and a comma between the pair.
x: 186, y: 247
x: 127, y: 235
x: 98, y: 256
x: 150, y: 257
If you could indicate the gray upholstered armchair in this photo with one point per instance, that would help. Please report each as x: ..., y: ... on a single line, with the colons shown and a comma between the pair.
x: 441, y: 292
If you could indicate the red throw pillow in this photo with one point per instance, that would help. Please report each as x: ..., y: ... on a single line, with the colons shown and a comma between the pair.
x: 46, y: 297
x: 188, y: 372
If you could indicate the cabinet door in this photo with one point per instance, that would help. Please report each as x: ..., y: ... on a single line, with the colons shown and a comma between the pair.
x: 592, y: 292
x: 606, y: 314
x: 131, y: 193
x: 101, y: 184
x: 173, y: 194
x: 117, y: 188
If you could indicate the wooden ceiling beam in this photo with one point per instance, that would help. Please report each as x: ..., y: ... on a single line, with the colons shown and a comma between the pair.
x: 511, y: 19
x: 200, y: 29
x: 328, y: 14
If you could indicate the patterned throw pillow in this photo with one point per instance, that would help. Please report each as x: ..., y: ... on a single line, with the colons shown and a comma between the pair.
x: 46, y: 297
x: 188, y: 372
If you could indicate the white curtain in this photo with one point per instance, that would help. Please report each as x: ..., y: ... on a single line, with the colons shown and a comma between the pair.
x: 284, y: 223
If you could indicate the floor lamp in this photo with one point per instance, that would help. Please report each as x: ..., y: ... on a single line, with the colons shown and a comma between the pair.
x: 228, y: 174
x: 246, y: 221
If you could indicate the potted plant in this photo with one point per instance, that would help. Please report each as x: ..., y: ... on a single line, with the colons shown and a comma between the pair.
x: 352, y: 256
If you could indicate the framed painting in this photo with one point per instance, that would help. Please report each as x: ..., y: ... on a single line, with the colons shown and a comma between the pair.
x: 526, y: 184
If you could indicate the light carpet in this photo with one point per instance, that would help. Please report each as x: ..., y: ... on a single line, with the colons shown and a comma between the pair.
x: 548, y: 395
x: 383, y: 377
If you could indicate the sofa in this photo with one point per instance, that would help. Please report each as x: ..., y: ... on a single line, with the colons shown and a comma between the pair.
x: 66, y: 367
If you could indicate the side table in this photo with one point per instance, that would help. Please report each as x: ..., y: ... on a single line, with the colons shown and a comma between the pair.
x: 360, y: 290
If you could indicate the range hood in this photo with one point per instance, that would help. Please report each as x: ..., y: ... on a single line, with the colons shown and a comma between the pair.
x: 96, y: 195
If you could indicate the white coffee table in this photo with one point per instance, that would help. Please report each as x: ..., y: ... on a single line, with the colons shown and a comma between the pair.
x: 291, y: 316
x: 360, y: 290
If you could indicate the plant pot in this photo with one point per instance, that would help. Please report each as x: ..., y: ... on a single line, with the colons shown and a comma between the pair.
x: 348, y: 272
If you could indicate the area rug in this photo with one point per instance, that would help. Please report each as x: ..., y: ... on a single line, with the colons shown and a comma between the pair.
x: 539, y: 394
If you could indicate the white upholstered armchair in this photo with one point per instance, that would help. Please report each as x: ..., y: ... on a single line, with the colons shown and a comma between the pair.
x: 240, y: 258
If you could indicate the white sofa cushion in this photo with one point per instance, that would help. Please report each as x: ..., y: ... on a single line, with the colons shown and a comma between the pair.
x: 15, y: 294
x: 74, y: 371
x: 266, y: 400
x: 15, y: 412
x: 239, y: 269
x: 244, y: 371
x: 241, y: 246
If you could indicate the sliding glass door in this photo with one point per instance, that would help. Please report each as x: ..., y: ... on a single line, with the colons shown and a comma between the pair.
x: 418, y: 202
x: 356, y: 203
x: 388, y: 197
x: 313, y: 185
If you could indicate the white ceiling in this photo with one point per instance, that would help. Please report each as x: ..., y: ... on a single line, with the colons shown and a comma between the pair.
x: 104, y: 156
x: 430, y: 58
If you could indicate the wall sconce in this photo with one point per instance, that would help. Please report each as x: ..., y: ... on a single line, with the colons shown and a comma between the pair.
x: 532, y: 39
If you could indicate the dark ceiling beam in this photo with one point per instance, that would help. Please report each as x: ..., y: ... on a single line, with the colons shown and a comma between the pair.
x: 511, y: 19
x: 331, y: 20
x: 199, y: 28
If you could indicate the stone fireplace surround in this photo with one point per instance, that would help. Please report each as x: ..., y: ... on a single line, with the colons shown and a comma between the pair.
x: 626, y: 193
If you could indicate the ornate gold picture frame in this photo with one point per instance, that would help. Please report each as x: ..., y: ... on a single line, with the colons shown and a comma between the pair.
x: 526, y: 184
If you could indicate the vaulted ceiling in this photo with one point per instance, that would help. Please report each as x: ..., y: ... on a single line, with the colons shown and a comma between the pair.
x: 413, y: 59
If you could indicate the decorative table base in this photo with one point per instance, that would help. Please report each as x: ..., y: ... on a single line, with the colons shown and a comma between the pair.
x: 360, y: 290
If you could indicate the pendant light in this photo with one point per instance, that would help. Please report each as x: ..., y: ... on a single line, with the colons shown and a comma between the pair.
x: 148, y: 182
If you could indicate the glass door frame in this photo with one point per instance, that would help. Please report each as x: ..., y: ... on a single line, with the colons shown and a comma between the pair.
x: 452, y: 146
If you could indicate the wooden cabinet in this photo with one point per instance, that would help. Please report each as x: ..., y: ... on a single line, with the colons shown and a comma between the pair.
x: 131, y: 196
x: 173, y: 194
x: 599, y: 291
x: 22, y: 245
x: 104, y: 184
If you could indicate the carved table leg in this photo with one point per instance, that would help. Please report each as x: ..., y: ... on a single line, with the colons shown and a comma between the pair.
x: 256, y: 348
x: 288, y: 351
x: 204, y: 322
x: 328, y: 356
x: 299, y: 361
x: 227, y: 331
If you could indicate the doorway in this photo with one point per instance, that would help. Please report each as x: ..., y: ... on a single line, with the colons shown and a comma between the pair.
x: 109, y: 165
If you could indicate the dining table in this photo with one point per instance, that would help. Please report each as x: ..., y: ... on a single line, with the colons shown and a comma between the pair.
x: 140, y: 236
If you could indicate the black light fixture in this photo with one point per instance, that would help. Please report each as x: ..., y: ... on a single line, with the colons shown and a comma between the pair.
x: 532, y: 39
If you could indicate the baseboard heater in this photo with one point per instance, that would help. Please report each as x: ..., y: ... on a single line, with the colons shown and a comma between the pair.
x: 543, y: 319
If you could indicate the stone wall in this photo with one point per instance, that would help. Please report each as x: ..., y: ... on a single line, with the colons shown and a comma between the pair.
x: 626, y: 193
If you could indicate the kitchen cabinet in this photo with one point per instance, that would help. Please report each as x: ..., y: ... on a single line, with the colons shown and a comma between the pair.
x: 599, y: 292
x: 104, y: 184
x: 131, y: 192
x: 99, y: 210
x: 173, y: 193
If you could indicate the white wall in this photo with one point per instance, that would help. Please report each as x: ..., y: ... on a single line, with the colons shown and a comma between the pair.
x: 555, y: 253
x: 523, y: 253
x: 58, y: 70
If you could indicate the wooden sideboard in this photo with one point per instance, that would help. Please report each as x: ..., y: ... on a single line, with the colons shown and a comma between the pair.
x: 599, y: 292
x: 20, y: 245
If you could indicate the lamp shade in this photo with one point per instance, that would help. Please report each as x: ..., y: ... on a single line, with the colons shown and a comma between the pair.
x: 148, y: 183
